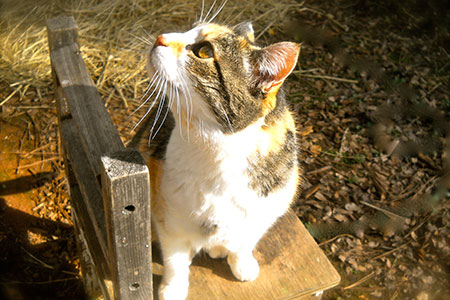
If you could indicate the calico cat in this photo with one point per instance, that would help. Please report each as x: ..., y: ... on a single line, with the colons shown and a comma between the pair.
x: 223, y: 155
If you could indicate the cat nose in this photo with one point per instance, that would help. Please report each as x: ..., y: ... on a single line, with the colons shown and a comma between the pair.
x: 161, y: 41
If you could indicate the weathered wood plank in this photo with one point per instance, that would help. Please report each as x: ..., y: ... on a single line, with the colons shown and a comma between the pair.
x: 292, y: 266
x: 90, y: 206
x: 126, y: 192
x: 92, y: 201
x: 62, y: 31
x: 97, y: 132
x: 94, y: 267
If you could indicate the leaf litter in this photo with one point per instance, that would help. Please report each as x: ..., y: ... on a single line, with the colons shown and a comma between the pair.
x: 376, y: 158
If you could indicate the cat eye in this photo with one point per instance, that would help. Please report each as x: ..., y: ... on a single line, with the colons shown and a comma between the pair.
x: 203, y: 50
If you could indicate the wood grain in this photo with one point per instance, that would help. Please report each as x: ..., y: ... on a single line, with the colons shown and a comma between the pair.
x: 87, y: 206
x: 92, y: 201
x: 292, y: 266
x: 97, y: 132
x: 61, y: 31
x: 94, y: 267
x: 88, y: 134
x: 126, y: 192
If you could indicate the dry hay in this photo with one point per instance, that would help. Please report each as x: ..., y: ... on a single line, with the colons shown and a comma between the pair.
x: 114, y: 36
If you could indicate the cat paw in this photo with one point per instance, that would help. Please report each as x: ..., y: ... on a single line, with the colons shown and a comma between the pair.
x: 244, y: 267
x: 172, y: 292
x: 217, y: 252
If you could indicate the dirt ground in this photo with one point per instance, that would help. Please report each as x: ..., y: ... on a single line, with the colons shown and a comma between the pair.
x: 371, y: 94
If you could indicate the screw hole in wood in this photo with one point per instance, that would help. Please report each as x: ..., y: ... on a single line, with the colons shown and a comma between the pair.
x: 134, y: 286
x: 130, y: 208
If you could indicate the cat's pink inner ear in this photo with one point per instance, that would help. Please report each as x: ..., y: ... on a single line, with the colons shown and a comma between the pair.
x: 277, y: 62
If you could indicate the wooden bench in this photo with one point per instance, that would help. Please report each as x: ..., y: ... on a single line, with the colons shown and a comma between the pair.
x: 109, y: 190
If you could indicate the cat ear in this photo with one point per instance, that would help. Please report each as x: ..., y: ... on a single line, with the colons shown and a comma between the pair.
x: 245, y: 29
x: 274, y: 63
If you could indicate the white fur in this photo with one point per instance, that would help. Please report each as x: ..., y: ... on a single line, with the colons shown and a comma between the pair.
x: 205, y: 181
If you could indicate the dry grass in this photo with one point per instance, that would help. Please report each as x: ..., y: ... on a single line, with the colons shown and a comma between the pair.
x: 114, y: 35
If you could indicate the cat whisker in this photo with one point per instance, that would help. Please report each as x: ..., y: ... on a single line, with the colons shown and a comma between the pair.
x: 178, y: 101
x: 218, y: 11
x: 202, y: 11
x: 142, y: 39
x: 171, y: 87
x: 187, y: 93
x: 149, y: 87
x: 160, y: 98
x: 179, y: 113
x: 160, y: 108
x: 187, y: 99
x: 187, y: 112
x: 209, y: 11
x: 150, y: 37
x: 152, y: 105
x: 226, y: 117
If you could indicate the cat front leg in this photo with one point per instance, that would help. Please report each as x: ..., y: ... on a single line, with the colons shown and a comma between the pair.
x: 217, y: 252
x: 177, y: 257
x: 243, y: 265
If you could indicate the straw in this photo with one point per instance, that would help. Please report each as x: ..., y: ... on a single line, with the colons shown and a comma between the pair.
x: 115, y: 37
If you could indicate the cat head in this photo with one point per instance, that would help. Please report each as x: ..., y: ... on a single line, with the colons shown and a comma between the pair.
x: 217, y: 74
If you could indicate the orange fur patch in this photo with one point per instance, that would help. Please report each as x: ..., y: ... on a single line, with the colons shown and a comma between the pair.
x: 158, y: 204
x: 243, y: 43
x: 277, y: 132
x: 270, y: 101
x: 177, y: 47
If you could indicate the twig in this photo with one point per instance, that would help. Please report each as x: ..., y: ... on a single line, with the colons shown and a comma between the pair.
x: 387, y: 212
x: 34, y: 107
x: 266, y: 28
x: 306, y: 71
x: 336, y: 237
x: 38, y: 162
x: 37, y: 259
x: 326, y: 77
x: 30, y: 153
x: 125, y: 102
x: 46, y: 265
x: 391, y: 251
x: 109, y: 98
x: 271, y: 23
x: 314, y: 190
x: 320, y: 170
x: 24, y: 90
x: 11, y: 95
x: 417, y: 227
x: 40, y: 282
x: 101, y: 78
x: 434, y: 88
x: 365, y: 278
x: 40, y: 148
x: 340, y: 155
x: 377, y: 181
x: 19, y: 82
x: 424, y: 187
